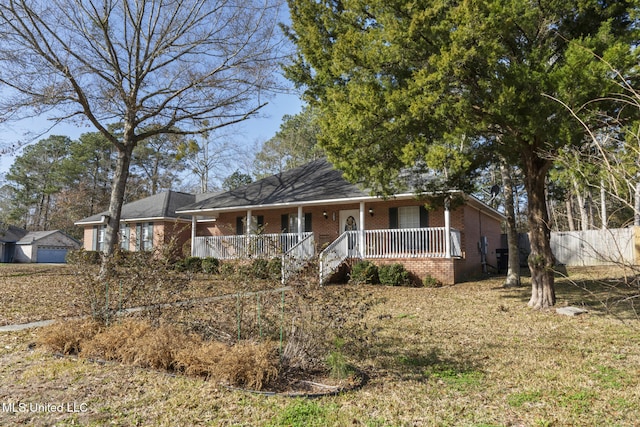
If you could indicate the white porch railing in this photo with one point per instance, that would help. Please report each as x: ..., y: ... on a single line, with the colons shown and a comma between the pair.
x: 392, y: 243
x: 297, y: 257
x: 410, y: 243
x: 295, y: 252
x: 246, y: 246
x: 335, y: 254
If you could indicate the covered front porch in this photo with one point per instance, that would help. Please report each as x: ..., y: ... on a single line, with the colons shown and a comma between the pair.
x: 297, y: 248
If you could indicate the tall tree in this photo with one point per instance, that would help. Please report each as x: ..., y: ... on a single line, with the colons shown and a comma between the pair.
x: 35, y: 178
x: 235, y: 180
x: 94, y: 157
x: 442, y: 85
x: 513, y: 262
x: 156, y: 161
x: 157, y: 67
x: 211, y: 157
x: 293, y: 145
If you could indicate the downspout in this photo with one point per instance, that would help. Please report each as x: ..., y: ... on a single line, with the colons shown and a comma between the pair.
x: 193, y: 235
x: 300, y: 223
x: 361, y: 231
x: 447, y: 227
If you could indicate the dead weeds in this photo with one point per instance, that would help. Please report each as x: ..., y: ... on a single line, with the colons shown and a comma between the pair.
x: 138, y: 343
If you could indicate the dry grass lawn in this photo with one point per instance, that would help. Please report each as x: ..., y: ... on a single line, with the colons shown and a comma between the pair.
x: 469, y: 355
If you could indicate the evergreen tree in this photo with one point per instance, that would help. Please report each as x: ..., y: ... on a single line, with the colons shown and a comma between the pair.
x: 446, y: 86
x: 295, y: 144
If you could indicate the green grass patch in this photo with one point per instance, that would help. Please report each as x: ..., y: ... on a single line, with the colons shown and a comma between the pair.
x: 517, y: 400
x: 406, y: 316
x: 579, y: 402
x: 305, y: 413
x: 609, y: 377
x: 459, y: 379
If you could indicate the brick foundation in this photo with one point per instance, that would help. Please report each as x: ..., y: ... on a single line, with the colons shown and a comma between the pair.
x: 442, y: 269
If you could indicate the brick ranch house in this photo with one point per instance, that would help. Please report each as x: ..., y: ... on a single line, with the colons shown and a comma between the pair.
x: 312, y: 210
x: 144, y: 224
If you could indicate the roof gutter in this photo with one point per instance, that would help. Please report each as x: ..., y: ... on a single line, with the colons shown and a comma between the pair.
x: 134, y: 220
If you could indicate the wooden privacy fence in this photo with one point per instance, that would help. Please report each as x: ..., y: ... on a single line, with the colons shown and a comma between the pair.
x: 597, y: 247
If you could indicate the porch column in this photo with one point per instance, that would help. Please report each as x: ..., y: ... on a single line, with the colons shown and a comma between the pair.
x: 194, y: 222
x: 447, y: 228
x: 361, y: 231
x: 300, y: 223
x: 249, y: 222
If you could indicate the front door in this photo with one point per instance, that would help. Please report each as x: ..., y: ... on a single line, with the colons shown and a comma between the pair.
x: 350, y: 221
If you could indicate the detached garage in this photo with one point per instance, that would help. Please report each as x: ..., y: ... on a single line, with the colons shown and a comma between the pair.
x: 45, y: 247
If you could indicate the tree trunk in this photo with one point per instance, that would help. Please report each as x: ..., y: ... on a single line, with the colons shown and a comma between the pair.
x: 541, y: 260
x: 513, y: 267
x: 582, y: 207
x: 569, y: 204
x: 118, y: 187
x: 636, y: 206
x: 603, y: 205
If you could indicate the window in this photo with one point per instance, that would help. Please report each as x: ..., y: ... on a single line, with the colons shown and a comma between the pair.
x: 100, y: 237
x: 405, y: 217
x: 257, y: 224
x: 409, y: 217
x: 144, y: 236
x: 125, y: 236
x: 289, y: 223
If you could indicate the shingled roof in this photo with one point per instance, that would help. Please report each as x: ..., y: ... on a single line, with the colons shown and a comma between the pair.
x: 313, y: 182
x: 162, y: 205
x: 10, y: 233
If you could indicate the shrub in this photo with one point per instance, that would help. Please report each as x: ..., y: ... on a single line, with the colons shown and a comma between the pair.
x: 364, y: 272
x: 210, y: 265
x: 248, y: 364
x: 337, y: 361
x: 227, y: 269
x: 137, y: 343
x: 260, y: 268
x: 275, y: 268
x: 394, y: 275
x: 80, y: 256
x: 157, y: 349
x: 431, y: 282
x: 200, y: 361
x: 67, y: 337
x: 110, y: 343
x: 128, y: 279
x: 245, y: 364
x: 244, y: 271
x: 193, y: 264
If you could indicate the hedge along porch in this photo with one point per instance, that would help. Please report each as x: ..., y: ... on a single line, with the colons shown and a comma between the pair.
x: 312, y: 209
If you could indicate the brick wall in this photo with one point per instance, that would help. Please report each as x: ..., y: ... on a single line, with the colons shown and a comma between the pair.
x: 87, y: 240
x: 478, y: 223
x: 329, y: 227
x: 442, y: 269
x: 473, y: 223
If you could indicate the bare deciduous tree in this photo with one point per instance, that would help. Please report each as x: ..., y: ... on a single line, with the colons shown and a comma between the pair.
x: 157, y: 67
